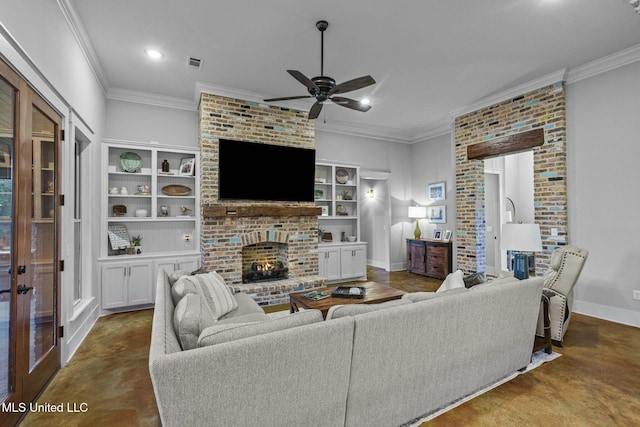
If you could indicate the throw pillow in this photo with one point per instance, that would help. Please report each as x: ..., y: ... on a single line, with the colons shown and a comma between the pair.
x: 218, y: 334
x: 173, y: 277
x: 345, y: 310
x: 215, y: 292
x: 473, y: 279
x: 190, y: 317
x: 452, y: 281
x: 181, y: 288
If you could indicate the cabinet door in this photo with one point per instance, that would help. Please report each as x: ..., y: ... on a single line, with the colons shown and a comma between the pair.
x: 416, y: 257
x: 189, y: 264
x: 353, y: 262
x: 114, y: 285
x: 168, y: 265
x: 140, y: 283
x: 329, y: 263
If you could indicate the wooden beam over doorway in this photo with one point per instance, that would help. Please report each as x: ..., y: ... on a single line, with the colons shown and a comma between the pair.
x: 510, y: 144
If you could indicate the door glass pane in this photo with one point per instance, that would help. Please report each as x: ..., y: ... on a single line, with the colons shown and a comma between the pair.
x: 7, y: 120
x: 42, y: 311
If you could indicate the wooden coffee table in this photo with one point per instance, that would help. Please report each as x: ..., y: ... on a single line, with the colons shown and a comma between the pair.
x: 375, y: 293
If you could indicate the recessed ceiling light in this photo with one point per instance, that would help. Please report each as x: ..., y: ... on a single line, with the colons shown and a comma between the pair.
x: 365, y: 101
x: 152, y: 53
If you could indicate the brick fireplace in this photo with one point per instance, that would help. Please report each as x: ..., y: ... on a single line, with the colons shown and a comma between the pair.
x: 231, y: 229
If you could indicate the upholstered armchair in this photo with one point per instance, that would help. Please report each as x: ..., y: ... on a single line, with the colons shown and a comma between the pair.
x: 566, y: 265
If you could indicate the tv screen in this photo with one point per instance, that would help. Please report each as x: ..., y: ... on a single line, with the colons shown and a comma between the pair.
x: 254, y: 171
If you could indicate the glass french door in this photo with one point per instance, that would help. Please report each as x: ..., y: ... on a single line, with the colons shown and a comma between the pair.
x: 29, y: 273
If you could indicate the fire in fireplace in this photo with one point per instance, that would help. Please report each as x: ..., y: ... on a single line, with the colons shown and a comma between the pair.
x: 263, y: 271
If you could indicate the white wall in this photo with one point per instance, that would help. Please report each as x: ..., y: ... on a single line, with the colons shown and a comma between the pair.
x: 376, y: 155
x: 433, y: 161
x: 603, y: 148
x: 131, y: 121
x: 42, y: 47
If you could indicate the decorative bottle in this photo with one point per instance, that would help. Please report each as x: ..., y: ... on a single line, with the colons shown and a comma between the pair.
x: 165, y: 166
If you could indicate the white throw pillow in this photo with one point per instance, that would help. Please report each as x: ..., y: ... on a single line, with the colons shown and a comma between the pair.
x: 215, y: 292
x: 190, y: 317
x: 452, y: 281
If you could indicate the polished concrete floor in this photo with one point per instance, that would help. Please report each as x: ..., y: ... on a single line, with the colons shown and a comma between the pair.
x: 596, y: 382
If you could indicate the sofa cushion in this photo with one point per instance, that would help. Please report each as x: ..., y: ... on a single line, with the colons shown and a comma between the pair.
x: 338, y: 311
x: 473, y: 279
x: 173, y: 277
x: 215, y: 292
x: 182, y: 287
x: 452, y: 281
x: 423, y: 296
x: 221, y: 333
x: 190, y: 317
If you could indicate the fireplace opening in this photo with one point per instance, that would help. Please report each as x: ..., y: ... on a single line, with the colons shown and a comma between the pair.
x: 264, y: 261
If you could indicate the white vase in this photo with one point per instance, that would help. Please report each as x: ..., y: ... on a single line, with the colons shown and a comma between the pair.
x: 140, y: 213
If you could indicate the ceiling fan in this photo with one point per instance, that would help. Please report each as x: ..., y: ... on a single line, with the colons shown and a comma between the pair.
x: 323, y: 88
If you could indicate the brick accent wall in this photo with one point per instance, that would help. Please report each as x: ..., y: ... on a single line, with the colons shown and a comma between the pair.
x: 222, y: 239
x: 543, y: 108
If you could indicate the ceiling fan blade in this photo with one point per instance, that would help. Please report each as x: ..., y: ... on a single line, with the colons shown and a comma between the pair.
x: 315, y: 110
x: 354, y: 84
x: 351, y: 103
x: 286, y: 98
x: 303, y: 79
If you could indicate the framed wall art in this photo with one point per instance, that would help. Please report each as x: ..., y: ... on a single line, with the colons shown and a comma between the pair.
x: 437, y: 214
x: 436, y: 191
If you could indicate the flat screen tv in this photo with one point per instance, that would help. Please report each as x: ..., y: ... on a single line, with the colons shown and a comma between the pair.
x: 265, y: 172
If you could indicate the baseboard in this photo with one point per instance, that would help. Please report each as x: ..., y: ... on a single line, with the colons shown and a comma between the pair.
x: 377, y: 264
x: 73, y: 342
x: 605, y: 312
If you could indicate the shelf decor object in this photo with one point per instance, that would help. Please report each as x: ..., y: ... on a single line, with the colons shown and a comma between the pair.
x: 417, y: 212
x: 119, y: 210
x: 187, y: 167
x: 176, y: 190
x: 130, y: 162
x: 522, y: 238
x: 342, y: 176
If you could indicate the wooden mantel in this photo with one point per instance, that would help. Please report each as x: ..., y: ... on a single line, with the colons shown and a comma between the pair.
x: 509, y: 144
x: 259, y: 210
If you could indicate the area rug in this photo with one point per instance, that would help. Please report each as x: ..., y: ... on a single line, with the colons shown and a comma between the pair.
x: 537, y: 359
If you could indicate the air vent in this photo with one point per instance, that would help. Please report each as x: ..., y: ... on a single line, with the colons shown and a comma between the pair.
x: 194, y: 63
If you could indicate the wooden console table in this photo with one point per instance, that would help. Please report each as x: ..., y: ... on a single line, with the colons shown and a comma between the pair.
x: 429, y: 257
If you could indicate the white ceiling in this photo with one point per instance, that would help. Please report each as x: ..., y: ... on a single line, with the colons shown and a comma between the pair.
x: 429, y: 57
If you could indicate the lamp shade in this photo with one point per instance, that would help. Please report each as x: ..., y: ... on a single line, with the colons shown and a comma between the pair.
x: 417, y: 212
x: 521, y: 237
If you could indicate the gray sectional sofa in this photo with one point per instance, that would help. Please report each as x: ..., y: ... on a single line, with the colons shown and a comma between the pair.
x: 379, y: 365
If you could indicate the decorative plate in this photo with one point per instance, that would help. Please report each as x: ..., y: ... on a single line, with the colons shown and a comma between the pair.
x: 342, y: 176
x: 119, y: 210
x: 341, y: 210
x: 130, y: 162
x: 176, y: 190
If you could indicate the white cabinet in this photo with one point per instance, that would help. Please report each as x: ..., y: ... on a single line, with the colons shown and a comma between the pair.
x: 183, y: 263
x: 329, y: 263
x: 339, y: 262
x: 147, y: 192
x: 126, y: 284
x: 353, y: 261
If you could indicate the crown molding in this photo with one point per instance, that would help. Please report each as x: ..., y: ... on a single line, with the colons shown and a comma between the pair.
x: 549, y: 79
x: 80, y: 34
x: 604, y: 64
x: 127, y: 95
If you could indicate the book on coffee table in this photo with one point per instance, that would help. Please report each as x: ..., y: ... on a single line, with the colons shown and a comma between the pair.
x: 358, y: 292
x: 315, y: 295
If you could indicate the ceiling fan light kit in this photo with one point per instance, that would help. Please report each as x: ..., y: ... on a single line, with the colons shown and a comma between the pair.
x: 323, y: 88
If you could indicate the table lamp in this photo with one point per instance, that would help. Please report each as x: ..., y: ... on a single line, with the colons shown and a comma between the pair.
x: 417, y: 212
x: 521, y: 238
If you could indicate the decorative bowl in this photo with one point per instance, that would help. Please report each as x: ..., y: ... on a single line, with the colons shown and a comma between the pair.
x: 141, y: 213
x: 351, y: 238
